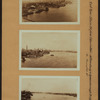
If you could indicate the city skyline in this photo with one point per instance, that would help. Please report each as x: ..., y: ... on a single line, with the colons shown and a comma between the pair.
x: 54, y: 41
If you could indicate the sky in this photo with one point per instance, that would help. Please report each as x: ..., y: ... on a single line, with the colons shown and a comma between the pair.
x: 50, y: 40
x: 54, y: 85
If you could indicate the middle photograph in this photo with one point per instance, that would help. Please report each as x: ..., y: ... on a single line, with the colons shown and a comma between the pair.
x: 49, y: 50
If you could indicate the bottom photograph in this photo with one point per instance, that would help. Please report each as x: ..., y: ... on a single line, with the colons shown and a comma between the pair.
x: 49, y: 87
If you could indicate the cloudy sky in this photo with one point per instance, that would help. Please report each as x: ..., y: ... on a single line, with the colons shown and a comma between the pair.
x: 54, y: 85
x: 50, y: 40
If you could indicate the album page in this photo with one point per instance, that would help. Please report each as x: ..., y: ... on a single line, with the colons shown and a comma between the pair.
x: 49, y: 50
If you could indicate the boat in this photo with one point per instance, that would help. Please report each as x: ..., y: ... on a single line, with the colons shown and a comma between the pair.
x: 51, y: 55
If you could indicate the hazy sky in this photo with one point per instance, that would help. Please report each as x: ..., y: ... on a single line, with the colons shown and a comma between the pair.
x: 49, y: 40
x: 54, y: 85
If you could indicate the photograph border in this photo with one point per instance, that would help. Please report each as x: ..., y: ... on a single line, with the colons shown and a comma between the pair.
x: 21, y: 77
x: 70, y: 69
x: 48, y: 23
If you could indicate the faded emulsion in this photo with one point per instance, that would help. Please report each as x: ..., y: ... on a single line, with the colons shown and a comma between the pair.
x: 49, y: 89
x: 49, y: 49
x: 52, y: 60
x: 49, y: 11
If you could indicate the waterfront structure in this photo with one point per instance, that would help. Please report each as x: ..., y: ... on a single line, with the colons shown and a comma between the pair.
x: 36, y: 1
x: 26, y: 47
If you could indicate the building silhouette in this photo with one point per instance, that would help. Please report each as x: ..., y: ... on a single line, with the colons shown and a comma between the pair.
x: 26, y: 47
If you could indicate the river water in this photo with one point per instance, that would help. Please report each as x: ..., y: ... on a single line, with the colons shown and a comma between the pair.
x: 67, y: 13
x: 52, y: 97
x: 59, y: 60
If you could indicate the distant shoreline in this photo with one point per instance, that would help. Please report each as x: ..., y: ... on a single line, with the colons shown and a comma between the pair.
x: 66, y: 51
x: 70, y: 94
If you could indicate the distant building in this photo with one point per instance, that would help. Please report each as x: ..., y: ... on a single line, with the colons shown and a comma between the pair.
x: 26, y: 47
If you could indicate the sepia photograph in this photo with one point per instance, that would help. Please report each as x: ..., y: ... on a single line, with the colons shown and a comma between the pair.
x: 49, y: 11
x: 49, y: 50
x: 49, y: 88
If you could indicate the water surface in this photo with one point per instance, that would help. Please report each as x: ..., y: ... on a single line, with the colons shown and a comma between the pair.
x: 52, y: 97
x: 67, y: 13
x: 59, y: 60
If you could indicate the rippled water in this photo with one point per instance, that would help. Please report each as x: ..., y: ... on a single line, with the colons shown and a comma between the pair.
x: 62, y: 14
x: 59, y: 60
x: 52, y: 97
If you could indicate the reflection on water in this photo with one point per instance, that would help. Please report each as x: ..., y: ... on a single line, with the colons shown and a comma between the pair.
x: 52, y: 97
x: 62, y: 14
x: 58, y: 60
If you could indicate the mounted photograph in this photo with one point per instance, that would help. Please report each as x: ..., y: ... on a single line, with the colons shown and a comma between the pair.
x: 53, y: 50
x: 49, y: 11
x: 49, y: 88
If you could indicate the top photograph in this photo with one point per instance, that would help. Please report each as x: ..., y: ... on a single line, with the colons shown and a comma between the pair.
x: 49, y: 11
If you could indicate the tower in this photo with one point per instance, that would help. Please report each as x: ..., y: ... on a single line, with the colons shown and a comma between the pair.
x: 26, y: 47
